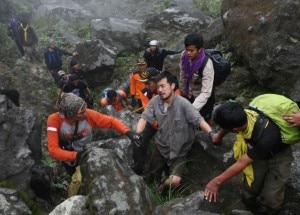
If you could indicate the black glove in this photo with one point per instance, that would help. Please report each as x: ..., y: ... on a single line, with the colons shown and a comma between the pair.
x: 135, y: 138
x: 81, y: 156
x: 133, y: 101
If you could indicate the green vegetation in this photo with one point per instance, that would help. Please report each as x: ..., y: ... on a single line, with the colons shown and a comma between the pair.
x: 46, y: 29
x: 169, y: 194
x: 20, y: 6
x: 9, y: 50
x: 60, y: 181
x: 53, y: 92
x: 167, y: 3
x: 211, y: 6
x: 126, y: 61
x: 160, y: 197
x: 33, y: 206
x: 49, y: 161
x: 84, y: 31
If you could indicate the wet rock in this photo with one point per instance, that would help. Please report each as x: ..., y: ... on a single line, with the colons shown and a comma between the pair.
x: 10, y: 203
x: 267, y: 48
x: 76, y: 205
x: 112, y: 186
x: 16, y: 159
x: 98, y: 60
x: 194, y: 204
x: 121, y: 34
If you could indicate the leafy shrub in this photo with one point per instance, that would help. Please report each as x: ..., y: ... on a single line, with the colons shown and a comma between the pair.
x: 9, y: 50
x: 211, y: 6
x: 84, y: 31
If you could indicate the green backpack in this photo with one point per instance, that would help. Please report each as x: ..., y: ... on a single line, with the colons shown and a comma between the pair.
x: 274, y: 107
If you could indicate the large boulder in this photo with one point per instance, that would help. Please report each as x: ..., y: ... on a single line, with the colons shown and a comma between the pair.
x: 10, y: 203
x: 263, y: 35
x: 112, y: 186
x: 66, y: 10
x: 295, y: 182
x: 98, y: 60
x: 194, y: 204
x: 34, y: 84
x: 122, y: 34
x: 17, y: 126
x: 174, y: 21
x: 76, y: 205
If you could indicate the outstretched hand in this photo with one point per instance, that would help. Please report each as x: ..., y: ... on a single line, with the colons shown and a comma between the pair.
x: 211, y: 190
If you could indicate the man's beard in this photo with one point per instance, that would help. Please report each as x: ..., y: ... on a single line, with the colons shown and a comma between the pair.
x: 165, y: 98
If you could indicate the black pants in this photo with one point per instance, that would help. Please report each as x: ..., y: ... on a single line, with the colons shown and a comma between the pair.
x: 20, y: 47
x: 140, y: 153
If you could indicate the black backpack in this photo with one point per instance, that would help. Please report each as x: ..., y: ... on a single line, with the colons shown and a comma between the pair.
x: 12, y: 28
x: 221, y: 66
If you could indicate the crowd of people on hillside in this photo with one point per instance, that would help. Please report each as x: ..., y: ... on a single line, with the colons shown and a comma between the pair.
x: 170, y: 111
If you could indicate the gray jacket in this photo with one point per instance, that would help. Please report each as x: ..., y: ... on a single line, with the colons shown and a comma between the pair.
x: 176, y: 123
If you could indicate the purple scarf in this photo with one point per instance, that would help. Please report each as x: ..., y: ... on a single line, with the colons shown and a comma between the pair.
x: 190, y: 69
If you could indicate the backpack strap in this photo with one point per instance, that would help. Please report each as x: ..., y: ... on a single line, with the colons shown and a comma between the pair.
x: 68, y: 145
x: 200, y: 70
x: 259, y: 126
x: 75, y: 132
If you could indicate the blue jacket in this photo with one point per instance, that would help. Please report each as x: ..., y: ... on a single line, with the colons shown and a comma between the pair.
x: 53, y: 58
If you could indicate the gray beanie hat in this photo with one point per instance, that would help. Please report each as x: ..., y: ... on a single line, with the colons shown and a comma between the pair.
x: 70, y: 105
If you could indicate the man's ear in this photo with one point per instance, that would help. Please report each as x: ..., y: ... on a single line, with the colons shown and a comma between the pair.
x: 173, y: 85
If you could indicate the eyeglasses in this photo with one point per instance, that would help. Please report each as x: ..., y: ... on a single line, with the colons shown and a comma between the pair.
x: 82, y: 109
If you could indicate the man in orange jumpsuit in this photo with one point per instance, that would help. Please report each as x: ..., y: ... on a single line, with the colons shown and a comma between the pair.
x: 115, y: 98
x: 136, y: 86
x: 70, y: 129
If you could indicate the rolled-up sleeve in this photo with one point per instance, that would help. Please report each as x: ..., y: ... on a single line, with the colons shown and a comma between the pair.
x: 182, y: 77
x: 207, y: 86
x: 149, y: 113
